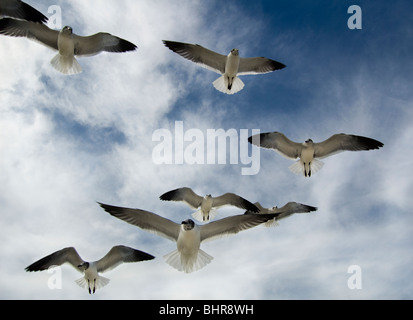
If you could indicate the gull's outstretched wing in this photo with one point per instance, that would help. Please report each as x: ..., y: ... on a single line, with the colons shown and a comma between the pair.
x: 57, y: 258
x: 183, y: 194
x: 283, y: 212
x: 233, y: 225
x: 291, y: 208
x: 258, y: 65
x: 121, y: 254
x: 233, y: 200
x: 279, y: 142
x: 91, y: 45
x: 21, y: 10
x: 344, y: 142
x: 31, y: 30
x: 198, y: 54
x: 145, y: 220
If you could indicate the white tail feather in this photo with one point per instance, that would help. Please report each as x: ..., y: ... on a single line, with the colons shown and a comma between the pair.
x: 188, y: 264
x: 316, y: 165
x: 100, y: 283
x: 271, y: 223
x: 221, y: 84
x: 66, y: 65
x: 298, y: 167
x: 199, y: 216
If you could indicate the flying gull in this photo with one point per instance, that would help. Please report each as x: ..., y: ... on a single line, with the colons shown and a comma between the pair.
x: 230, y: 67
x: 207, y: 204
x: 309, y: 152
x: 92, y: 280
x: 284, y: 212
x: 188, y: 256
x: 66, y: 42
x: 20, y: 10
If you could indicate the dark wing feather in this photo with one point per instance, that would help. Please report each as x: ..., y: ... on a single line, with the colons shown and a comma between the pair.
x: 121, y: 254
x: 233, y: 225
x: 278, y: 142
x: 198, y: 54
x: 344, y: 142
x: 91, y: 45
x: 57, y: 258
x: 234, y: 200
x: 30, y: 30
x: 21, y: 10
x: 183, y: 194
x: 145, y: 220
x: 258, y: 65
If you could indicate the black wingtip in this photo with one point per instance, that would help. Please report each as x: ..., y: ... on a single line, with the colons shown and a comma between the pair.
x: 4, y: 23
x: 275, y: 65
x: 369, y: 143
x: 169, y: 196
x: 36, y: 266
x: 105, y: 207
x: 29, y: 13
x: 166, y: 196
x: 143, y: 256
x: 125, y: 46
x: 175, y: 46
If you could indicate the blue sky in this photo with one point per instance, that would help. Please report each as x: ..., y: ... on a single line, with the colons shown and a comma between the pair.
x: 67, y: 142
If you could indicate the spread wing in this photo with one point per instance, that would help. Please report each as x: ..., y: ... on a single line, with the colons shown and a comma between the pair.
x: 278, y: 142
x: 30, y: 30
x: 291, y: 208
x: 66, y: 255
x: 258, y: 65
x: 183, y: 194
x: 198, y: 54
x: 284, y: 212
x: 91, y: 45
x: 233, y: 225
x: 21, y: 10
x: 121, y: 254
x: 344, y: 142
x: 233, y: 200
x: 145, y: 220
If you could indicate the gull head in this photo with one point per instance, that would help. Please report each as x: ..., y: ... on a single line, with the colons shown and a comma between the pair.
x: 234, y: 52
x: 188, y: 224
x: 67, y: 30
x: 84, y: 266
x: 208, y: 196
x: 308, y: 142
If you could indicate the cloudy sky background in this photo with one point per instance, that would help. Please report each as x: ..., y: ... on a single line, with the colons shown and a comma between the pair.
x: 69, y: 141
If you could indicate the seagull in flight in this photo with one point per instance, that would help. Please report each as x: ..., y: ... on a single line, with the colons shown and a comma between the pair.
x: 309, y: 152
x: 188, y: 257
x: 92, y: 280
x: 283, y: 212
x: 207, y: 204
x: 20, y: 10
x: 229, y: 67
x: 68, y: 44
